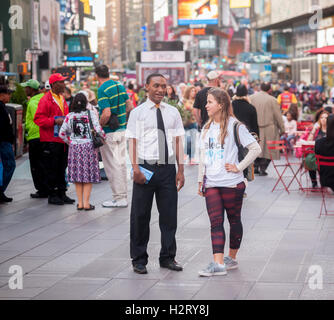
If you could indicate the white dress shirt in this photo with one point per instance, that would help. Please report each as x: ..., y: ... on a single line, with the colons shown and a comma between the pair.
x: 143, y: 126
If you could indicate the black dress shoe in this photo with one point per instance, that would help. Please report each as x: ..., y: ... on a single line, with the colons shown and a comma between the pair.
x: 263, y: 174
x: 4, y: 199
x: 171, y: 265
x: 38, y: 195
x: 140, y: 269
x: 55, y: 200
x: 67, y: 200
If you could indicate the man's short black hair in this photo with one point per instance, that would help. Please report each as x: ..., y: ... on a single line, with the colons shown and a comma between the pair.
x: 265, y: 86
x: 130, y: 86
x: 102, y: 71
x: 5, y: 90
x: 154, y: 75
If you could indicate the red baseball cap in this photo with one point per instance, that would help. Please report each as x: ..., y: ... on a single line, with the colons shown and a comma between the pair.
x: 56, y: 77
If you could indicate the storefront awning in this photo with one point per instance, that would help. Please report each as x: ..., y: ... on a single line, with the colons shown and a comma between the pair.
x: 323, y: 50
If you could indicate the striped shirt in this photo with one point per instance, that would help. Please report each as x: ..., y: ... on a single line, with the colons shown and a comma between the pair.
x: 108, y: 98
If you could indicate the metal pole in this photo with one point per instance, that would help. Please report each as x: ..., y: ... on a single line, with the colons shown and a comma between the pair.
x: 34, y: 66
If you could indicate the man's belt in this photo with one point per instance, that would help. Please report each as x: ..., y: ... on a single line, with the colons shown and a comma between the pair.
x: 171, y: 161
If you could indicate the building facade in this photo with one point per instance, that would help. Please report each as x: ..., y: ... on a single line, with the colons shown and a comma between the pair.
x: 287, y: 29
x: 125, y: 22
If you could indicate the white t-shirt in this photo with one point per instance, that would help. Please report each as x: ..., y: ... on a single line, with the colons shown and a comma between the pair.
x: 216, y: 157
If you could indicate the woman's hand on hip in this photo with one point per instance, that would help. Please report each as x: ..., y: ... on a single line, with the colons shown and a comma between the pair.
x: 231, y: 168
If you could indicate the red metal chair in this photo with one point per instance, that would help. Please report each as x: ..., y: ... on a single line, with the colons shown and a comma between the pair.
x: 306, y: 150
x: 325, y: 162
x: 303, y: 125
x: 281, y: 147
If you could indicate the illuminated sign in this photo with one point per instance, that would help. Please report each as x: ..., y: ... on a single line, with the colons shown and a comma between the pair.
x: 87, y: 10
x: 191, y: 12
x: 235, y: 4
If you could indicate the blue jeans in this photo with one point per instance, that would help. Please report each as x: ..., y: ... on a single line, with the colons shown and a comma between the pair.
x: 8, y: 162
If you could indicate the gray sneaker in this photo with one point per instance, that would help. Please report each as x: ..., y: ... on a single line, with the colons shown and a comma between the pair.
x: 230, y: 263
x: 213, y: 269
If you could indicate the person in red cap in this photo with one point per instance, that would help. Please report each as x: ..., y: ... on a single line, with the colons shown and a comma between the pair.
x: 51, y: 111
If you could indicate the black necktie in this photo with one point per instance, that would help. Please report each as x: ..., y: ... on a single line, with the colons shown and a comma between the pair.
x: 163, y: 147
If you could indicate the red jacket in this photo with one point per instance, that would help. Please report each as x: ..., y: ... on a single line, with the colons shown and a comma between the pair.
x: 44, y: 117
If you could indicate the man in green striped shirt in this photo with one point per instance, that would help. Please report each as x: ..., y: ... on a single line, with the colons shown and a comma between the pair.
x: 112, y: 98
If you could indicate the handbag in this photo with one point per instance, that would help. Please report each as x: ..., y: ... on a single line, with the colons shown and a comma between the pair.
x: 98, y: 140
x: 113, y: 122
x: 242, y: 153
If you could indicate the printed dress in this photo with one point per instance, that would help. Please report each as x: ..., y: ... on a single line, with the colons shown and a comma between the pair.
x: 83, y: 162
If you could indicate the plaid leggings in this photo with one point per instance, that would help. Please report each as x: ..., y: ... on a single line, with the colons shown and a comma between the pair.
x: 217, y: 200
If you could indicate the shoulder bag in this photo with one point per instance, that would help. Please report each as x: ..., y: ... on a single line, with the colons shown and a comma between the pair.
x: 98, y: 140
x: 113, y: 122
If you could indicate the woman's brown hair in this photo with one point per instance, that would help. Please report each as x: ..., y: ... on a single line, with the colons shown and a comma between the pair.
x: 188, y: 91
x: 224, y: 100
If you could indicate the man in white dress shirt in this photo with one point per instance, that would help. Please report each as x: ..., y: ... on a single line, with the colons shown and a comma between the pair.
x: 155, y: 131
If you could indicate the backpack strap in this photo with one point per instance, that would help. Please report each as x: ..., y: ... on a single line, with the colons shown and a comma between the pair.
x: 236, y: 133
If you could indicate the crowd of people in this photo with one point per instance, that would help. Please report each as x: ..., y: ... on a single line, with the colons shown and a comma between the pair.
x: 66, y: 133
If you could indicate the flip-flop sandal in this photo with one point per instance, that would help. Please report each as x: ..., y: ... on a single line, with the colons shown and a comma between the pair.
x: 79, y: 209
x: 91, y: 208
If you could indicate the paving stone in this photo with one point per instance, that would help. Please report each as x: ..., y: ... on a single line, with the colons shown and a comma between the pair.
x: 68, y: 263
x: 325, y: 293
x: 123, y: 289
x: 275, y: 291
x: 171, y: 290
x: 223, y: 290
x: 102, y: 268
x: 27, y: 264
x: 71, y: 289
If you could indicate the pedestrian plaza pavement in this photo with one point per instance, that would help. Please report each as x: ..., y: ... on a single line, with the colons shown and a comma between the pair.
x: 69, y: 255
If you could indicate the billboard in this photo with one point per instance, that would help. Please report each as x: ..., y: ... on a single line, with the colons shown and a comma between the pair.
x: 198, y: 12
x: 235, y: 4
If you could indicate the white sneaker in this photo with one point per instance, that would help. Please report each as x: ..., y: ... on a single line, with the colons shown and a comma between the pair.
x: 115, y: 204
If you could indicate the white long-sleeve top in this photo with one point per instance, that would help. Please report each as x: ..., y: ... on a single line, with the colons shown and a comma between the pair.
x: 214, y: 157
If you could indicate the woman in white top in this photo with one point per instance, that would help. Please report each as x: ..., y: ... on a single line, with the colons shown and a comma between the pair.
x: 221, y: 179
x: 83, y: 162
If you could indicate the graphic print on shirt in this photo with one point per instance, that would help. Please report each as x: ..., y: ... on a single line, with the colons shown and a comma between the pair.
x: 214, y: 151
x: 81, y: 128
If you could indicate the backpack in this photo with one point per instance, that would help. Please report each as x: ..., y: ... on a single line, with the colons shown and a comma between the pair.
x: 242, y: 152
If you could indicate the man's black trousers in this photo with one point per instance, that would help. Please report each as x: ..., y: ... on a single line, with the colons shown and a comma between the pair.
x: 37, y: 166
x: 55, y: 164
x: 163, y: 186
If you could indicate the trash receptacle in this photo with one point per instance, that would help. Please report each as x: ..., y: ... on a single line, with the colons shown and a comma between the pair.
x: 16, y: 113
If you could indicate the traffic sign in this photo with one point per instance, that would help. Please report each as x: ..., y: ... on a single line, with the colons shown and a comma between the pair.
x: 37, y: 52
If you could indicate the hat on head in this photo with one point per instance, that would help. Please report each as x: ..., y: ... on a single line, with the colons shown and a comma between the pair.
x: 56, y: 77
x: 32, y: 84
x: 213, y: 75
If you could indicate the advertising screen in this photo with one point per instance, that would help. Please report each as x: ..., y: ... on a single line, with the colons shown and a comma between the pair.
x: 198, y: 12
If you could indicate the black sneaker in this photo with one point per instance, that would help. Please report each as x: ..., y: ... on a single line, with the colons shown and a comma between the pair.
x: 140, y: 269
x: 67, y: 200
x: 4, y: 199
x: 38, y: 195
x: 55, y: 200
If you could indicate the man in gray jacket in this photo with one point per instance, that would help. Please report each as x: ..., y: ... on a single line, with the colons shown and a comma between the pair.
x: 271, y: 125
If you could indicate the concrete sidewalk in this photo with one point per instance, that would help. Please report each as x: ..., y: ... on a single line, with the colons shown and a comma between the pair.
x: 69, y: 255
